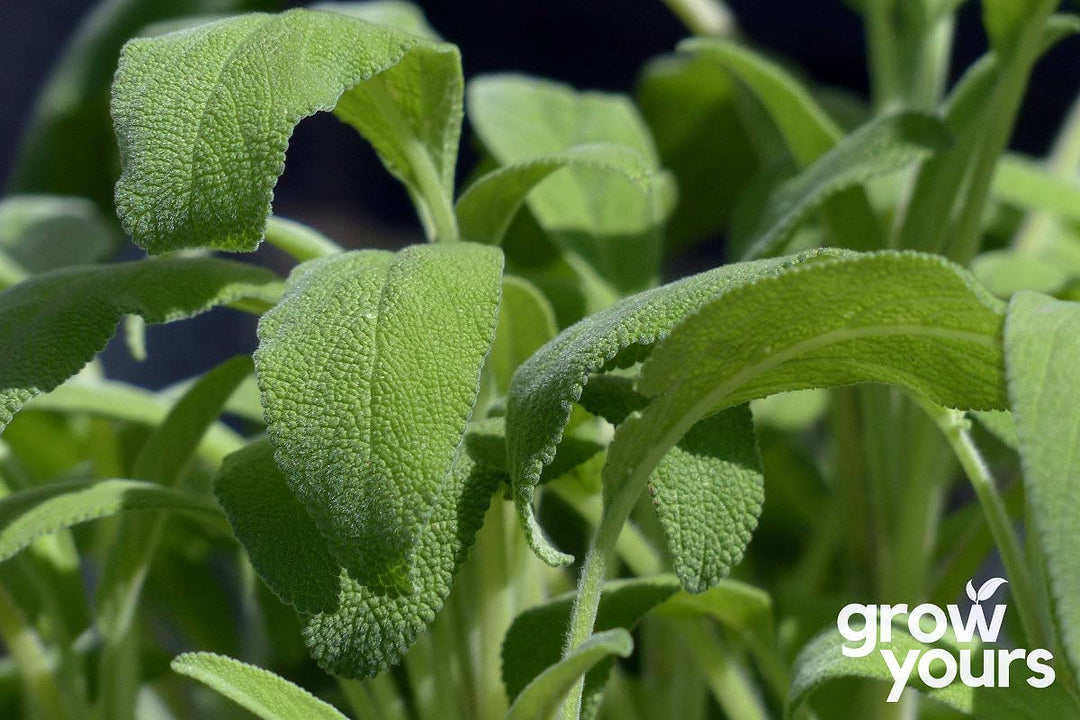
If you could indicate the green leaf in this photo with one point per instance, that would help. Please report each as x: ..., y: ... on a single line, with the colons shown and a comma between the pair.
x: 1042, y: 355
x: 1026, y: 184
x: 535, y: 639
x: 183, y: 103
x: 711, y: 481
x: 545, y: 388
x: 912, y: 320
x: 53, y: 324
x: 1020, y: 701
x: 805, y: 127
x: 262, y: 692
x: 350, y: 629
x: 526, y: 323
x: 369, y: 369
x: 486, y: 209
x: 739, y: 607
x: 542, y: 696
x: 691, y: 108
x: 822, y: 661
x: 69, y: 147
x: 38, y: 511
x: 591, y: 213
x: 883, y: 145
x: 46, y: 232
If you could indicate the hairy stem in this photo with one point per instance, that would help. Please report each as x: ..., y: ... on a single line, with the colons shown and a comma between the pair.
x: 954, y: 426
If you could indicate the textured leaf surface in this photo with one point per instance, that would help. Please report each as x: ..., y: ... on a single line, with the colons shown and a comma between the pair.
x: 708, y: 492
x: 52, y: 325
x: 542, y: 696
x: 1042, y: 352
x: 526, y: 323
x: 401, y: 15
x: 358, y: 632
x: 486, y: 209
x: 545, y: 388
x: 46, y: 232
x: 369, y: 368
x: 535, y: 639
x: 38, y: 511
x: 262, y: 692
x: 822, y: 661
x: 912, y: 320
x: 203, y: 118
x: 882, y: 146
x: 595, y: 214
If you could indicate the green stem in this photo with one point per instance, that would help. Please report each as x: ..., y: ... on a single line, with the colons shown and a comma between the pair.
x: 298, y: 240
x: 726, y: 677
x: 954, y: 426
x: 1008, y: 94
x: 43, y: 695
x: 705, y: 18
x: 883, y: 54
x: 433, y: 201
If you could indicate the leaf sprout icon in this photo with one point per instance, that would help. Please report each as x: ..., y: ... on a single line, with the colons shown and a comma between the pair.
x: 986, y: 591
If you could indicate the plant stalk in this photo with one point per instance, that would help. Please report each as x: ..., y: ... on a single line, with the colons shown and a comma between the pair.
x: 299, y: 241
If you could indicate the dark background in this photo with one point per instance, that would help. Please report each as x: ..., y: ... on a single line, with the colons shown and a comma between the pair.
x: 334, y: 182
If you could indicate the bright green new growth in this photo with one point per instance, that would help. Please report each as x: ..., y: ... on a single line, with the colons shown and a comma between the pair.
x: 545, y: 388
x: 260, y: 691
x: 541, y: 697
x: 369, y: 369
x: 590, y: 212
x: 1042, y: 355
x: 359, y: 632
x: 54, y: 324
x: 38, y: 511
x: 184, y: 103
x: 487, y: 208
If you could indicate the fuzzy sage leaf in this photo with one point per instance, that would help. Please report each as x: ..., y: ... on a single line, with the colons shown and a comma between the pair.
x: 203, y: 118
x: 1042, y: 352
x: 545, y: 388
x: 262, y: 692
x: 595, y: 214
x: 53, y: 324
x: 369, y: 368
x: 350, y: 629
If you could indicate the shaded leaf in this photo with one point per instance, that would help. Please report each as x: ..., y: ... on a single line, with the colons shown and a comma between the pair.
x: 46, y: 232
x: 708, y: 491
x: 359, y: 632
x: 526, y: 323
x: 541, y: 697
x: 53, y: 324
x: 596, y: 215
x: 882, y: 146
